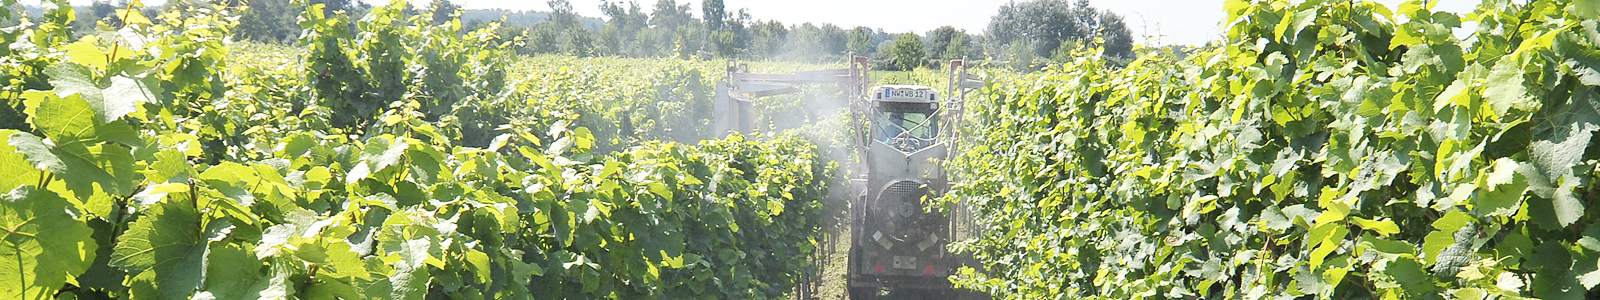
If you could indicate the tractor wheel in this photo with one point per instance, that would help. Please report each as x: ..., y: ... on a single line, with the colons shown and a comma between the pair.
x: 971, y: 295
x: 865, y: 293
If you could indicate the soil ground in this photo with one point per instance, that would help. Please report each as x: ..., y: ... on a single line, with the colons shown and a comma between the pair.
x: 832, y: 285
x: 833, y: 274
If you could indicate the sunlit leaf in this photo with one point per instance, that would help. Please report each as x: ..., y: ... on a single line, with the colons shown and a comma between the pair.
x: 43, y: 247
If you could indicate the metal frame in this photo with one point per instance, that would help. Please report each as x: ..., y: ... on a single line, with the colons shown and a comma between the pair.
x: 733, y: 106
x: 950, y: 111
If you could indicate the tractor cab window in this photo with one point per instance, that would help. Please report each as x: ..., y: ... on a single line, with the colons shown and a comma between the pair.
x: 907, y: 130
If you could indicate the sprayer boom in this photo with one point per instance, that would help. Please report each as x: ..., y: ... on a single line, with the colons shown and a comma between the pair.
x: 734, y: 110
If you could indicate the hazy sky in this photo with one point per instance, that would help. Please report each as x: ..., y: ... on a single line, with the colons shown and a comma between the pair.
x: 1175, y: 21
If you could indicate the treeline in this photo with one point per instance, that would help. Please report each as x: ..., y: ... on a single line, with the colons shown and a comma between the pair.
x: 1023, y: 35
x: 1039, y: 30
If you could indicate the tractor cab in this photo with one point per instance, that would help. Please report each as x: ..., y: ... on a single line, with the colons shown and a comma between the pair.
x: 905, y: 117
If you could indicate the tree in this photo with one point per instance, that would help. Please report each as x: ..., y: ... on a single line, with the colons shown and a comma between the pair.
x: 10, y: 16
x: 444, y: 11
x: 269, y: 21
x: 88, y: 19
x: 767, y: 37
x: 907, y: 53
x: 562, y: 15
x: 1118, y: 39
x: 724, y: 43
x: 620, y: 34
x: 1042, y: 23
x: 715, y: 13
x: 833, y: 39
x: 725, y: 34
x: 330, y: 6
x: 736, y: 25
x: 960, y: 47
x: 860, y: 41
x: 670, y: 15
x: 674, y: 30
x: 577, y: 41
x: 542, y: 39
x: 1046, y: 24
x: 809, y: 42
x: 946, y: 38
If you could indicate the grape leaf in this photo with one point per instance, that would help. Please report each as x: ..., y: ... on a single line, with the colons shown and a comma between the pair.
x: 1586, y: 267
x: 391, y: 155
x: 1591, y: 238
x: 1448, y: 225
x: 105, y: 168
x: 296, y: 145
x: 1390, y: 247
x: 1505, y: 187
x: 86, y: 53
x: 120, y: 98
x: 1300, y: 215
x: 36, y: 152
x: 331, y: 289
x: 124, y: 96
x: 100, y: 274
x: 1554, y: 279
x: 232, y: 272
x: 78, y: 156
x: 60, y: 119
x: 163, y: 251
x: 13, y: 163
x: 1458, y: 254
x: 1411, y: 276
x: 410, y: 277
x: 1581, y: 59
x: 1384, y: 228
x: 170, y: 166
x: 427, y: 164
x: 70, y: 119
x: 1559, y: 146
x: 73, y: 79
x: 1505, y: 88
x: 43, y: 246
x: 278, y: 283
x: 1589, y: 9
x: 232, y: 180
x: 336, y: 260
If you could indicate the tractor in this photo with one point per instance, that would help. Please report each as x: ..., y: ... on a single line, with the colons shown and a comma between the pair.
x: 903, y: 133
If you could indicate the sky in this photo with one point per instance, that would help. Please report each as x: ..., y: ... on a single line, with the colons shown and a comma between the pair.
x: 1189, y: 22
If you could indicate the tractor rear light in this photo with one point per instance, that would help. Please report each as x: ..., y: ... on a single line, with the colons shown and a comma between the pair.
x: 928, y: 270
x: 878, y: 268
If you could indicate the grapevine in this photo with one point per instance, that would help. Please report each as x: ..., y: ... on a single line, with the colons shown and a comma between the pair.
x: 158, y: 161
x: 1334, y: 149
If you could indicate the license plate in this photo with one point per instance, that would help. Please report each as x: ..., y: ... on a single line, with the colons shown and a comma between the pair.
x: 905, y: 262
x: 918, y: 94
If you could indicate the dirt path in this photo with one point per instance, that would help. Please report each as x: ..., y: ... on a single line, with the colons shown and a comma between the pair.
x: 833, y: 274
x: 832, y: 286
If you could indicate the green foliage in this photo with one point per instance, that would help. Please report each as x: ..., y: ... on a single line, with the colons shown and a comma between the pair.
x: 626, y: 101
x: 44, y: 246
x: 907, y: 53
x: 269, y: 21
x: 1329, y: 149
x: 389, y: 160
x: 1045, y: 25
x: 948, y: 43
